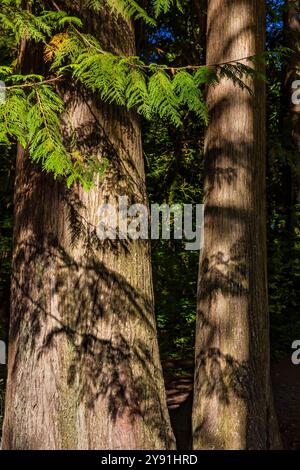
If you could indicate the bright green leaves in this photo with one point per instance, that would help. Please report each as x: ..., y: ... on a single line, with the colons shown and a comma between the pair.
x: 132, y: 8
x: 32, y: 119
x: 155, y: 91
x: 162, y: 99
x: 126, y: 8
x: 31, y: 116
x: 136, y: 93
x: 44, y: 130
x: 163, y: 6
x: 13, y: 117
x: 23, y: 24
x: 190, y: 95
x: 31, y: 111
x: 104, y: 73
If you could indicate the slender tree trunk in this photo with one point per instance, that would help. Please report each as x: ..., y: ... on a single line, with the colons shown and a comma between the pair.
x: 84, y: 369
x: 232, y: 397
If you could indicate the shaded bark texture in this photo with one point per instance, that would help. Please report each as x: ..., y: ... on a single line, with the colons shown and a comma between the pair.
x: 232, y: 406
x: 84, y: 369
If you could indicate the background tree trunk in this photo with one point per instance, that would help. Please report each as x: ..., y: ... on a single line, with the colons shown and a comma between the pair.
x: 232, y: 398
x: 84, y: 369
x: 292, y: 111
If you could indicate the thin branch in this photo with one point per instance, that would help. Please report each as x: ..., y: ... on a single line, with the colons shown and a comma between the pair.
x: 34, y: 84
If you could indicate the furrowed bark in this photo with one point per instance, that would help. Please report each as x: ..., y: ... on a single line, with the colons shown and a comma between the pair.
x: 84, y: 369
x: 232, y: 396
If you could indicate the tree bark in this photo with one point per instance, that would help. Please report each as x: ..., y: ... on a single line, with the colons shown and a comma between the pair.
x: 84, y: 369
x: 232, y: 395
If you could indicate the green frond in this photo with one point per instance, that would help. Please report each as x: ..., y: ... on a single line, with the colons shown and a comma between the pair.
x: 163, y: 6
x: 63, y: 51
x: 24, y: 24
x: 30, y: 109
x: 103, y: 73
x: 13, y: 117
x: 126, y: 8
x: 44, y: 131
x: 136, y: 92
x: 162, y: 99
x: 5, y: 71
x: 189, y: 94
x: 205, y: 76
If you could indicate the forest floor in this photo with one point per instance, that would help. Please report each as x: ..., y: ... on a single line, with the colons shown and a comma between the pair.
x: 286, y: 389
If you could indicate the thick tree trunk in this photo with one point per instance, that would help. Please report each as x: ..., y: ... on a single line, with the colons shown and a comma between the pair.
x: 232, y: 397
x: 84, y: 369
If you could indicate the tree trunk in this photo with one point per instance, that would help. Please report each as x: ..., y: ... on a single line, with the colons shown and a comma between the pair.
x: 232, y: 396
x: 84, y: 369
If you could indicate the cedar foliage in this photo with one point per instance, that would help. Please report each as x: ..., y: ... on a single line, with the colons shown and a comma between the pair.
x: 32, y: 106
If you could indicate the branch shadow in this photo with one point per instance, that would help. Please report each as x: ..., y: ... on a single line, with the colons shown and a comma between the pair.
x: 95, y: 310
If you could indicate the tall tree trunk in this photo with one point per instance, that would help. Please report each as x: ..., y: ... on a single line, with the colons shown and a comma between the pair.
x: 232, y: 396
x: 84, y: 369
